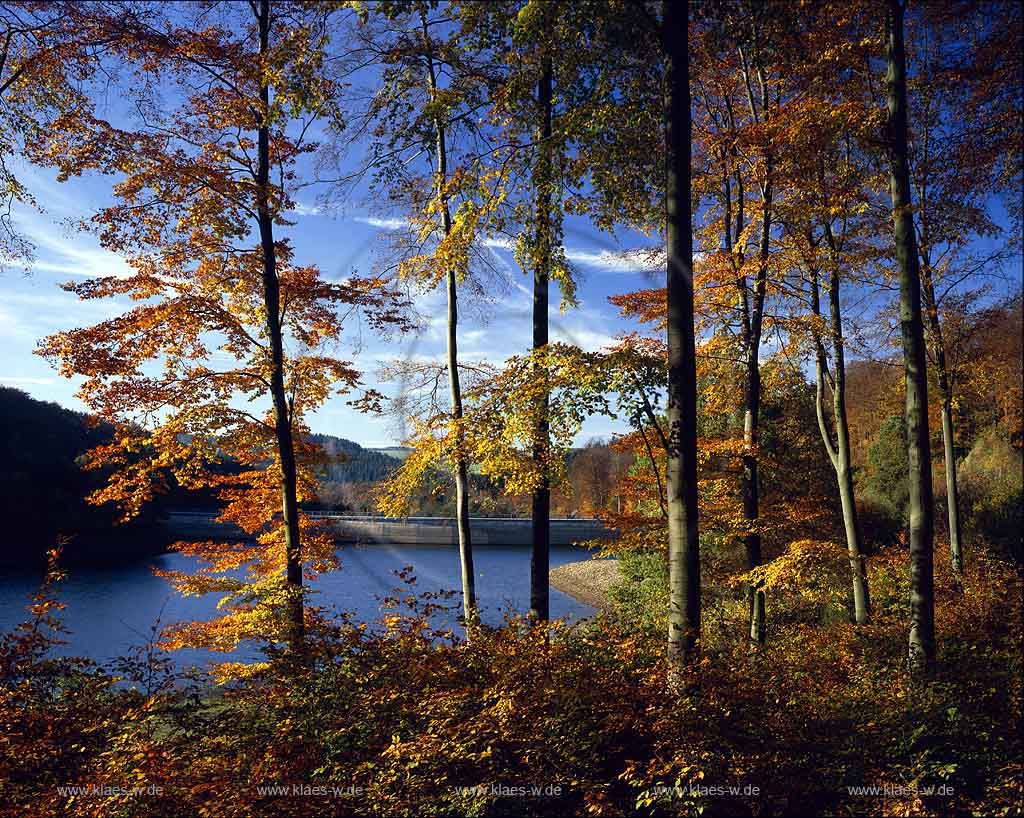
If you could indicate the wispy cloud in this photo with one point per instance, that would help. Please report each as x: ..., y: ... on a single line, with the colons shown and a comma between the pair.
x: 12, y: 328
x: 586, y: 339
x: 74, y: 255
x: 18, y: 381
x: 303, y: 209
x: 382, y: 224
x: 499, y: 242
x: 623, y: 261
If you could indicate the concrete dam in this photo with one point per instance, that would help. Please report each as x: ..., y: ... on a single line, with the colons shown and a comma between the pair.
x: 407, y: 530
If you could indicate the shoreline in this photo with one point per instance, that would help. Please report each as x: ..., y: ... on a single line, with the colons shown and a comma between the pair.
x: 587, y: 581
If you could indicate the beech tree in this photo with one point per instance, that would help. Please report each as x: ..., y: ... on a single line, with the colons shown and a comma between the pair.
x: 555, y: 89
x: 681, y: 471
x: 740, y: 98
x: 47, y: 51
x: 954, y: 170
x: 427, y: 95
x: 247, y: 339
x: 827, y: 175
x: 838, y: 449
x: 922, y: 594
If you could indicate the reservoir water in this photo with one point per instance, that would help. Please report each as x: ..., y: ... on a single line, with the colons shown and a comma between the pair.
x: 111, y: 609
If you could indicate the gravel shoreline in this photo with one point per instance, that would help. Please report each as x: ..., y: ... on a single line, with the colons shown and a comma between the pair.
x: 587, y: 581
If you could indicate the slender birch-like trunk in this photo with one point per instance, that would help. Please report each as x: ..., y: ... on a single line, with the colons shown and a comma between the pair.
x: 931, y: 313
x: 839, y: 451
x: 454, y: 387
x: 921, y: 640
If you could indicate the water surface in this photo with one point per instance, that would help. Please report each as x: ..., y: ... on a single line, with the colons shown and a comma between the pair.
x: 111, y: 609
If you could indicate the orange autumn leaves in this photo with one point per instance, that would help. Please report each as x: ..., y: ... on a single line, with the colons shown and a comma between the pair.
x: 185, y: 373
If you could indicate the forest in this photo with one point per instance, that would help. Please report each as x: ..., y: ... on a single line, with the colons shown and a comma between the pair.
x: 810, y: 216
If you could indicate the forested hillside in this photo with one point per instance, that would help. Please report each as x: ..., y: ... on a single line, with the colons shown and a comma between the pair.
x: 348, y: 462
x: 43, y: 488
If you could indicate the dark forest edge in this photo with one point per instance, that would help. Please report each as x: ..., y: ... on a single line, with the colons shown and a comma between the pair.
x: 41, y: 444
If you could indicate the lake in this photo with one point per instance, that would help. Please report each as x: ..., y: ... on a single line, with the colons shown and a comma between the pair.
x: 111, y: 609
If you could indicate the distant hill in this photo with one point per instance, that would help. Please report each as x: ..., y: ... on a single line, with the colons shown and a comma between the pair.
x: 42, y: 487
x: 394, y: 452
x: 348, y: 462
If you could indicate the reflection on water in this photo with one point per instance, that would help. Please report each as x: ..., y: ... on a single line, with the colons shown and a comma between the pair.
x: 111, y: 609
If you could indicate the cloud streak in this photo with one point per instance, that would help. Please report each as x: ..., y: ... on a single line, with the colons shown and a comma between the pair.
x: 78, y: 255
x: 18, y: 381
x: 382, y: 224
x: 303, y: 209
x: 624, y: 261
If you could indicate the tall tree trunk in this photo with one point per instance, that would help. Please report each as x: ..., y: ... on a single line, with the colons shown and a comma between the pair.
x: 749, y: 486
x: 921, y: 647
x: 684, y: 612
x: 843, y: 464
x: 839, y: 452
x: 454, y: 387
x: 931, y: 312
x: 750, y: 482
x: 752, y: 309
x: 956, y: 554
x: 541, y: 502
x: 282, y: 406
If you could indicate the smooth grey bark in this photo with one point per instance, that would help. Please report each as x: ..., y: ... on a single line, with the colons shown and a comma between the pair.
x: 839, y: 450
x: 684, y: 613
x: 921, y: 639
x: 931, y: 312
x: 282, y: 406
x: 540, y: 554
x: 469, y: 609
x: 956, y: 553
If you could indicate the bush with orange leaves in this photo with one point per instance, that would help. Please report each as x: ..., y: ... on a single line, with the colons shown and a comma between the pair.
x: 403, y: 718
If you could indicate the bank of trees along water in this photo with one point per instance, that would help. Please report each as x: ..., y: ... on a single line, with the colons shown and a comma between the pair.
x: 794, y: 167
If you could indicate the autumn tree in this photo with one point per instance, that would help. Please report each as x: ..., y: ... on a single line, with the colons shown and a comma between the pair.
x: 829, y: 346
x: 246, y: 338
x: 580, y: 95
x: 454, y: 386
x: 922, y: 595
x: 743, y: 54
x: 984, y: 341
x: 545, y: 233
x: 954, y: 174
x: 827, y: 176
x: 47, y: 50
x: 594, y: 471
x: 428, y: 88
x: 681, y: 471
x: 536, y: 142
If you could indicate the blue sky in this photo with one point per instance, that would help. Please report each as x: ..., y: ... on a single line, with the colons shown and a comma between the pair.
x: 491, y: 328
x: 351, y: 239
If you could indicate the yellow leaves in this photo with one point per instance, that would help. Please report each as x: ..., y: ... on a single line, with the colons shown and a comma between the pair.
x: 395, y: 493
x: 531, y: 14
x: 808, y: 567
x: 228, y: 672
